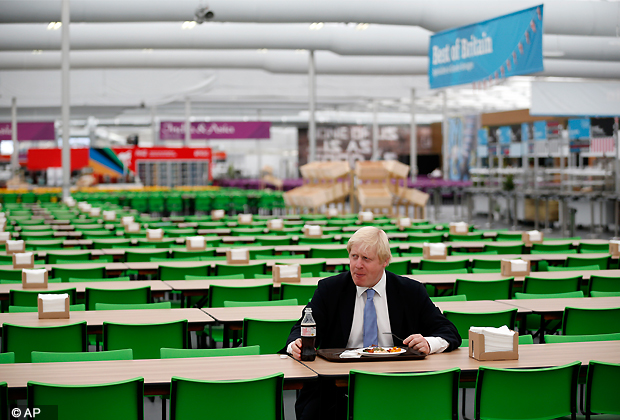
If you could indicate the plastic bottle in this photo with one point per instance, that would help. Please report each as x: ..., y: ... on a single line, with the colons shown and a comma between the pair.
x: 308, y: 336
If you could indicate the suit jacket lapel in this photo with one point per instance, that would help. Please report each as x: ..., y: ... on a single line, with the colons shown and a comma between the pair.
x: 395, y: 306
x: 347, y: 308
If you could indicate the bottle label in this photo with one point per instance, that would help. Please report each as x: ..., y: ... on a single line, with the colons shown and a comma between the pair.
x: 308, y: 331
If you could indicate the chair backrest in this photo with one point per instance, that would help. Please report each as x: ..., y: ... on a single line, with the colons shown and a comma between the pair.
x: 7, y: 357
x: 575, y: 294
x: 229, y: 351
x: 399, y: 267
x: 135, y: 256
x: 283, y: 302
x: 11, y: 274
x: 123, y: 399
x: 145, y: 340
x: 136, y: 295
x: 549, y: 392
x: 268, y: 334
x: 260, y: 395
x: 83, y: 273
x: 602, y: 262
x: 551, y: 247
x: 167, y: 272
x: 302, y: 292
x: 486, y: 264
x: 230, y: 277
x: 30, y: 298
x: 602, y: 388
x: 329, y: 253
x: 595, y: 293
x: 181, y: 253
x: 604, y: 284
x: 509, y: 236
x: 552, y: 338
x: 248, y: 270
x: 590, y: 321
x: 450, y: 298
x: 586, y: 247
x: 579, y: 268
x: 218, y: 294
x: 433, y: 394
x: 52, y: 257
x: 549, y: 285
x: 504, y: 249
x: 123, y: 306
x: 484, y: 289
x: 49, y: 357
x: 442, y: 265
x: 463, y: 320
x: 23, y: 340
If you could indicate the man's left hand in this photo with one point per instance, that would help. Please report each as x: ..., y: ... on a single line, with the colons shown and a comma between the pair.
x: 417, y: 342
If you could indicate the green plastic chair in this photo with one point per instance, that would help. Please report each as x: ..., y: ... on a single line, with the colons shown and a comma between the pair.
x: 484, y: 289
x: 232, y: 351
x: 604, y: 284
x: 435, y: 265
x: 116, y: 400
x: 450, y: 298
x: 542, y: 285
x: 550, y: 392
x: 602, y: 262
x: 545, y: 248
x: 470, y: 237
x: 30, y: 297
x: 433, y: 394
x: 485, y: 270
x: 274, y: 241
x: 399, y: 267
x: 260, y: 395
x: 509, y: 236
x: 167, y: 272
x: 581, y: 268
x: 7, y: 358
x: 302, y: 292
x: 181, y: 253
x: 587, y: 321
x: 269, y: 334
x: 146, y: 340
x: 586, y: 248
x: 78, y: 280
x: 486, y: 264
x: 425, y: 237
x: 601, y: 389
x: 229, y: 277
x: 218, y: 294
x: 11, y: 275
x: 581, y: 338
x: 23, y: 340
x: 595, y: 293
x: 83, y: 273
x: 329, y: 253
x: 124, y: 306
x: 88, y: 356
x: 575, y: 294
x: 80, y: 307
x: 248, y: 270
x: 281, y: 302
x: 136, y: 295
x: 110, y: 243
x: 505, y: 249
x: 445, y: 271
x: 137, y: 256
x: 463, y: 320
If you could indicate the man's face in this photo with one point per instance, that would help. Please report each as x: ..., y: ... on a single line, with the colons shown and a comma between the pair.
x: 366, y: 268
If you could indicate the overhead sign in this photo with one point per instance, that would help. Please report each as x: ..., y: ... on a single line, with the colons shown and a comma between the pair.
x: 540, y: 130
x: 488, y: 51
x: 579, y: 129
x: 483, y: 137
x: 28, y: 131
x: 175, y: 130
x: 504, y: 134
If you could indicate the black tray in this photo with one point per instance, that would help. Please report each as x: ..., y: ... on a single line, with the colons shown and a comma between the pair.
x: 333, y: 355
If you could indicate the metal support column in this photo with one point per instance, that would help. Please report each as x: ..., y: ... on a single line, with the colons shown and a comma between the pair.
x: 413, y: 141
x: 311, y: 107
x: 375, y: 130
x: 188, y: 123
x: 15, y: 155
x: 65, y: 100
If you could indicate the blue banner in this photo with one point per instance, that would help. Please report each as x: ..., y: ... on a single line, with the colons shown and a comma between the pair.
x: 525, y: 132
x: 579, y: 129
x: 487, y: 51
x: 540, y: 130
x: 504, y: 134
x: 483, y: 137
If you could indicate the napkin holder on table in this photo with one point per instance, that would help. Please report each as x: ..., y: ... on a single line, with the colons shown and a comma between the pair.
x: 95, y: 212
x: 515, y: 268
x: 286, y: 273
x: 84, y: 206
x: 125, y: 220
x: 332, y: 212
x: 34, y: 279
x: 237, y: 256
x: 532, y: 237
x: 109, y: 215
x: 217, y: 214
x: 614, y: 248
x: 15, y: 247
x: 275, y: 224
x: 403, y: 222
x: 3, y: 223
x: 478, y: 348
x: 5, y: 236
x: 132, y: 227
x: 365, y: 216
x: 54, y: 306
x: 154, y: 234
x: 434, y: 251
x: 195, y: 243
x: 244, y: 219
x: 70, y: 201
x: 458, y: 228
x: 23, y: 260
x: 313, y: 231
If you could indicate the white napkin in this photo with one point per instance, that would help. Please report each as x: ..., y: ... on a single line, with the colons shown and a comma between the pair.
x: 436, y: 249
x: 288, y: 271
x: 313, y: 230
x: 133, y: 227
x: 350, y: 354
x: 534, y: 235
x: 2, y: 214
x: 53, y: 302
x: 331, y: 212
x: 237, y: 254
x: 35, y: 275
x: 276, y: 224
x: 127, y: 220
x: 2, y: 220
x: 495, y: 339
x: 23, y: 258
x: 217, y: 214
x: 69, y: 201
x: 615, y: 242
x: 405, y: 221
x: 155, y: 233
x: 15, y: 245
x: 95, y: 211
x: 84, y: 206
x: 518, y: 266
x: 197, y: 241
x: 245, y: 218
x: 460, y: 227
x: 109, y: 215
x: 366, y: 216
x: 5, y: 236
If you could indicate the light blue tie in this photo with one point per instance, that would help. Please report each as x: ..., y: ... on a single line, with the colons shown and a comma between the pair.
x: 370, y: 320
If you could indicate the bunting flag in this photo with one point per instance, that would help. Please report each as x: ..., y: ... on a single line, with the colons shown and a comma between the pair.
x: 602, y: 145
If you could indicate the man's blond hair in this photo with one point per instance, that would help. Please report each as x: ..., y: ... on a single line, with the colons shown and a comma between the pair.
x: 370, y: 238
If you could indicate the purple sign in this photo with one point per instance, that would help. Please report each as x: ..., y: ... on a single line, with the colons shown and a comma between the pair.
x: 28, y: 131
x: 172, y: 130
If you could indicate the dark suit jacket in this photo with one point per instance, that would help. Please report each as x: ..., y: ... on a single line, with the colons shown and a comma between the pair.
x: 410, y: 309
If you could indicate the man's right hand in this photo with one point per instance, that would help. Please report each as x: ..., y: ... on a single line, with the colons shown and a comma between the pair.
x: 296, y: 349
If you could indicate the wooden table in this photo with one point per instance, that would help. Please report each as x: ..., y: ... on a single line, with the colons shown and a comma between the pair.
x: 201, y: 287
x: 550, y: 309
x: 157, y: 373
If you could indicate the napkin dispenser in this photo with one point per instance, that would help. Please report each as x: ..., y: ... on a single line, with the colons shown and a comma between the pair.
x: 95, y: 212
x: 70, y: 201
x: 237, y: 256
x: 109, y: 215
x: 3, y: 223
x: 365, y: 216
x: 515, y: 268
x: 34, y: 279
x: 434, y: 251
x: 313, y: 231
x: 53, y: 306
x: 244, y: 219
x: 332, y: 212
x: 478, y: 348
x: 15, y: 247
x: 217, y: 214
x: 132, y: 227
x: 614, y: 248
x: 5, y: 236
x: 458, y: 228
x: 154, y: 234
x: 275, y: 224
x: 125, y: 220
x: 286, y: 273
x: 195, y: 243
x: 403, y: 223
x: 23, y: 260
x: 532, y: 237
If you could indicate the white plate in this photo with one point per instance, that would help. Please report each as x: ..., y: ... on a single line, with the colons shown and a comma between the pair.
x: 363, y: 353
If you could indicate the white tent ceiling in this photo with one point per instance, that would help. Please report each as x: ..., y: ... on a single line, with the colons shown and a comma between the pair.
x: 135, y: 59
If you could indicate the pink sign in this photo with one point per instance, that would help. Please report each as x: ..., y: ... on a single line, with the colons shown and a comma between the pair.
x: 28, y: 131
x: 173, y: 130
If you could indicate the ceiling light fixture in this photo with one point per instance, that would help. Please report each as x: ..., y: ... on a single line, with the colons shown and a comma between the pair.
x: 37, y: 52
x: 316, y: 26
x: 553, y: 54
x: 262, y: 50
x: 362, y: 26
x: 188, y: 24
x: 53, y: 26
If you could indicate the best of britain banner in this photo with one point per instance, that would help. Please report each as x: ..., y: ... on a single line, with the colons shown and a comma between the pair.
x: 488, y: 51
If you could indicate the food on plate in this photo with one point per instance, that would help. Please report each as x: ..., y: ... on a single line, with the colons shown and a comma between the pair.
x: 376, y: 350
